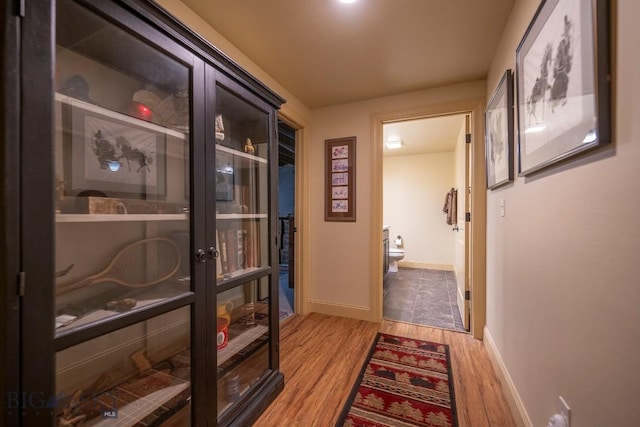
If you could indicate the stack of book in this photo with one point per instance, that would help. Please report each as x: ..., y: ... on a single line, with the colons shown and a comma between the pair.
x: 238, y: 247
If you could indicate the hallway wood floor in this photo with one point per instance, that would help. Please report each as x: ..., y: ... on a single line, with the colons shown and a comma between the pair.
x: 321, y: 357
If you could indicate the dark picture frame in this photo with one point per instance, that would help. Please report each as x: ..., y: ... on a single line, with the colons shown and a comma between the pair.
x: 498, y: 124
x: 563, y: 83
x: 109, y: 153
x: 340, y: 178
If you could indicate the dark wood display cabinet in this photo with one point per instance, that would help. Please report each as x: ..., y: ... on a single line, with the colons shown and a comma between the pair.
x: 139, y: 229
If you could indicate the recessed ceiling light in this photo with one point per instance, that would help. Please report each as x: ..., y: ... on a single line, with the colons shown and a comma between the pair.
x: 393, y: 144
x: 347, y: 1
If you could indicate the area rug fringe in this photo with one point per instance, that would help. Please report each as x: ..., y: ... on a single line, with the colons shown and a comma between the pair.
x: 404, y: 382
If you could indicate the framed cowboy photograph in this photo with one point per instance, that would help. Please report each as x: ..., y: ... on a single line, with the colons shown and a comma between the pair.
x: 112, y: 153
x: 563, y: 83
x: 498, y: 125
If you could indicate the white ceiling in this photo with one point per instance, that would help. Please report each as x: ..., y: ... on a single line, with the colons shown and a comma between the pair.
x: 327, y: 53
x: 422, y: 136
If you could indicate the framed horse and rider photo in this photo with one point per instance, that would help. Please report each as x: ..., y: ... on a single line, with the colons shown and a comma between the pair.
x: 110, y: 153
x: 563, y: 83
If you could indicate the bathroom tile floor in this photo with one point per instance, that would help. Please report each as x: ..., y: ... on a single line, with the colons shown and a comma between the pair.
x: 423, y: 297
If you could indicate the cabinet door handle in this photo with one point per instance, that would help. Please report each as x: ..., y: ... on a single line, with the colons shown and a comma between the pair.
x: 212, y: 253
x: 201, y: 256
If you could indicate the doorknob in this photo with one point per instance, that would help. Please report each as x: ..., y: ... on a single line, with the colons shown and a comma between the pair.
x: 212, y: 253
x: 201, y: 256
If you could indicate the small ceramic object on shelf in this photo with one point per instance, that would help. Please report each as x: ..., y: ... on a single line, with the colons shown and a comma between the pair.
x: 219, y: 128
x: 248, y: 147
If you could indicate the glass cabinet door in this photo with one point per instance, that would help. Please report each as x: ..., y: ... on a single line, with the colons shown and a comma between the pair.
x: 123, y: 292
x: 243, y: 265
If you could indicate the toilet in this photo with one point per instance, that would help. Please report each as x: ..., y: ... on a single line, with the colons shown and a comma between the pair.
x: 395, y: 255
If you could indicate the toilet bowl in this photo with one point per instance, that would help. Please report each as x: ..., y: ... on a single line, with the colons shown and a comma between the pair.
x: 395, y: 255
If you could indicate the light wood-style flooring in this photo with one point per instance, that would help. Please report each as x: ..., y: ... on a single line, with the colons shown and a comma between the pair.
x: 321, y: 357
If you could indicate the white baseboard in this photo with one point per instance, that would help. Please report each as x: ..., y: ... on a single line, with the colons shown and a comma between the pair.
x: 518, y: 410
x: 431, y: 266
x: 342, y: 310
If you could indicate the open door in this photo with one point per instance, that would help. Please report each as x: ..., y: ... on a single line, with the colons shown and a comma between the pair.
x: 286, y: 216
x: 292, y: 250
x: 464, y: 238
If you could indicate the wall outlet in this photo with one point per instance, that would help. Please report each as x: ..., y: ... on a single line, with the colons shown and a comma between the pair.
x: 565, y: 410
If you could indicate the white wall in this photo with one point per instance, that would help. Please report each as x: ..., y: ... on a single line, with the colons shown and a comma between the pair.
x: 414, y: 189
x: 293, y: 108
x: 340, y: 267
x: 563, y: 264
x: 338, y: 253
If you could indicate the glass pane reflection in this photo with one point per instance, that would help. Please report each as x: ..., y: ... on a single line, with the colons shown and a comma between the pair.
x: 139, y: 375
x: 122, y: 115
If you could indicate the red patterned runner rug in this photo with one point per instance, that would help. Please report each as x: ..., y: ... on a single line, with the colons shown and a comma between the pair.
x: 404, y: 382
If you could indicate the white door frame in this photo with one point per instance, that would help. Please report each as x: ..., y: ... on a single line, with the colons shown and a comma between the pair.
x: 475, y: 108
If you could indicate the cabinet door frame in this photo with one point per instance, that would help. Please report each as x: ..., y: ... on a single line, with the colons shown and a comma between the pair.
x: 10, y: 249
x: 243, y: 414
x: 37, y: 350
x: 37, y: 356
x: 29, y: 351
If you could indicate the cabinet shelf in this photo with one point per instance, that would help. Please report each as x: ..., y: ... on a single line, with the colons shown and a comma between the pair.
x: 242, y: 216
x: 115, y: 115
x: 60, y: 218
x: 149, y: 405
x: 248, y: 333
x: 238, y: 153
x: 94, y: 308
x: 150, y: 397
x: 242, y: 345
x: 230, y: 280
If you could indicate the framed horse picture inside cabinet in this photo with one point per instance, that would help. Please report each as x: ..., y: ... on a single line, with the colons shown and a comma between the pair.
x: 112, y: 153
x: 563, y: 83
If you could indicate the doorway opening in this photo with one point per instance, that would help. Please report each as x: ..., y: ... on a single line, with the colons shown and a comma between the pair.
x: 286, y: 218
x: 425, y: 181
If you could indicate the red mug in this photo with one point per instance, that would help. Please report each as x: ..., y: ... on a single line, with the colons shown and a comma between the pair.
x: 223, y: 333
